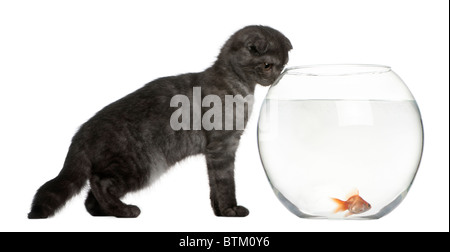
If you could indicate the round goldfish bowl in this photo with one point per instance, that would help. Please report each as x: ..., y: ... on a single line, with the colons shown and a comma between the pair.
x: 340, y: 141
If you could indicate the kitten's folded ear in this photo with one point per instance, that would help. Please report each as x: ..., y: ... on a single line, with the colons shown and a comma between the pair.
x: 287, y: 44
x: 257, y: 46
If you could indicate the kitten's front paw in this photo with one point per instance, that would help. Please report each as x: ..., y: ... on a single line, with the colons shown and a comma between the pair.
x: 236, y: 211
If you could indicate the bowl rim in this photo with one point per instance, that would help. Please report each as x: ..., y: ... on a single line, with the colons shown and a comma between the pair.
x: 337, y: 69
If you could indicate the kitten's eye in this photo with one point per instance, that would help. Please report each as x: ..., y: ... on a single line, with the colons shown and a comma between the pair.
x: 267, y: 66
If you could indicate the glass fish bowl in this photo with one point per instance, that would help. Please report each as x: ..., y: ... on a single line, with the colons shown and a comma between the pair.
x: 340, y: 141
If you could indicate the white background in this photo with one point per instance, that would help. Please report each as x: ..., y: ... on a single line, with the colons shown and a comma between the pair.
x: 62, y: 61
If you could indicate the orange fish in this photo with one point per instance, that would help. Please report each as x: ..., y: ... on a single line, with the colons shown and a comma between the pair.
x: 354, y: 204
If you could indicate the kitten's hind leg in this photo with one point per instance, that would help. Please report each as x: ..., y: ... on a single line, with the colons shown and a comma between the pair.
x: 92, y: 205
x: 107, y: 194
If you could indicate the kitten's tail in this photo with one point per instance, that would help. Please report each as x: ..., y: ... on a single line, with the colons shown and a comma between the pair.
x: 51, y: 196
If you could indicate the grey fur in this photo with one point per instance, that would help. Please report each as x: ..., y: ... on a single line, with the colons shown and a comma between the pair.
x: 129, y: 143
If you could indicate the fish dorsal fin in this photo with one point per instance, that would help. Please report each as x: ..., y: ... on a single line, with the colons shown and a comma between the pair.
x: 352, y: 193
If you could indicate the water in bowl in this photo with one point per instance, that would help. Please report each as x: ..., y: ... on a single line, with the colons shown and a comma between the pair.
x: 323, y: 149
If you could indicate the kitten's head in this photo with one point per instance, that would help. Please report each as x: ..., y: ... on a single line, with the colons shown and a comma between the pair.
x: 257, y: 54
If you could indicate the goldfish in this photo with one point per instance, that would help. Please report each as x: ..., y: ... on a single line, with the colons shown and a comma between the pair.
x: 354, y: 204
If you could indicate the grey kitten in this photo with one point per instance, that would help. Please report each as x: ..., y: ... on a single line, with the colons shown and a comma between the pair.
x: 131, y: 142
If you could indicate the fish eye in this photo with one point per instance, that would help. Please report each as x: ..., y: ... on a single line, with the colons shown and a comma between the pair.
x: 267, y: 66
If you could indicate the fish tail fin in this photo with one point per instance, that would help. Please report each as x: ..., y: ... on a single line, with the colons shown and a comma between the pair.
x: 341, y: 205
